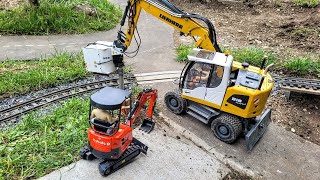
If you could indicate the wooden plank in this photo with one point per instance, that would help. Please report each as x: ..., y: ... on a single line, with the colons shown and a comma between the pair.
x: 301, y: 90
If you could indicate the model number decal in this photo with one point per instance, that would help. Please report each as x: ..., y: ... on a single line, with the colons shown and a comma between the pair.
x: 101, y: 142
x: 171, y: 21
x: 240, y: 101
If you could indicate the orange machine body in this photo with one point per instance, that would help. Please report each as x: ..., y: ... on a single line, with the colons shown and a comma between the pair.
x: 109, y: 147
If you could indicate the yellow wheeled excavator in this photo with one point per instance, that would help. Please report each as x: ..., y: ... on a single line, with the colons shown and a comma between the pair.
x: 227, y: 95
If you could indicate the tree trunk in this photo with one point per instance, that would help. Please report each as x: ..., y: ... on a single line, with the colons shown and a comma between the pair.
x: 34, y: 3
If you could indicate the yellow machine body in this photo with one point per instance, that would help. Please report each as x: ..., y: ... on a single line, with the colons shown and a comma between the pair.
x: 234, y: 105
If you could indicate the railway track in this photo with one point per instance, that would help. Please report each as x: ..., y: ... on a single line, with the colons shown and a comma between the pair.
x: 18, y: 110
x: 297, y: 82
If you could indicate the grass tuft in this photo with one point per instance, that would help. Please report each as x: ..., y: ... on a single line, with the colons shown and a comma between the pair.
x: 58, y: 17
x: 253, y: 56
x: 306, y: 3
x: 183, y: 51
x: 25, y: 76
x: 39, y: 145
x: 299, y: 66
x: 302, y: 66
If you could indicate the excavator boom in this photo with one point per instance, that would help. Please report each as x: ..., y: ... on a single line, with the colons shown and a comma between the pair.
x: 171, y: 15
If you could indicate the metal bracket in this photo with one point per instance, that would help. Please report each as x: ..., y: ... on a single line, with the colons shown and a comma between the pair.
x: 256, y: 132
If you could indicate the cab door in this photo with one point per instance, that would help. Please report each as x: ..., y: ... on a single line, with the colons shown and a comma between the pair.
x: 195, y: 83
x: 217, y: 85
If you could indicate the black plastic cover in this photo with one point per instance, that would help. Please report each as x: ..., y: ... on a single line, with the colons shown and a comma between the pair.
x: 109, y: 98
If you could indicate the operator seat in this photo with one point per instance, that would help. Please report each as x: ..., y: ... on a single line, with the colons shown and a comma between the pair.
x: 104, y: 127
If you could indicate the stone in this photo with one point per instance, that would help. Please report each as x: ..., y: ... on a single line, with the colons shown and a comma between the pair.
x: 85, y: 8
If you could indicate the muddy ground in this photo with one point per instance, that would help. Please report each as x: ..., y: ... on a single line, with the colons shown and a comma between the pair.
x: 277, y: 26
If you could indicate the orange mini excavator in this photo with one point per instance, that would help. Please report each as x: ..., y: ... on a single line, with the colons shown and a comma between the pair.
x: 113, y: 142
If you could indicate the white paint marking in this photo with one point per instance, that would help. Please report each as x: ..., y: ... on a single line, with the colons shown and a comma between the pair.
x: 18, y: 45
x: 72, y: 43
x: 52, y: 44
x: 156, y: 81
x: 5, y: 46
x: 156, y: 77
x: 68, y: 46
x: 157, y: 73
x: 40, y: 45
x: 62, y: 44
x: 29, y: 45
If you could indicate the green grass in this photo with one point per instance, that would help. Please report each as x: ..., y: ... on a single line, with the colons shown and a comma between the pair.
x: 306, y: 3
x: 58, y: 18
x: 127, y: 69
x: 40, y: 145
x: 253, y: 56
x: 303, y: 66
x: 183, y: 51
x: 17, y: 77
x: 298, y: 66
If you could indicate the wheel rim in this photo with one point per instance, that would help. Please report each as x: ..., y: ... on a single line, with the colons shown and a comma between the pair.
x: 173, y: 102
x: 223, y: 131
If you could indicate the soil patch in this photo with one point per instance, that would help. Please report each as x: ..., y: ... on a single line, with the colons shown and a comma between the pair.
x: 303, y: 33
x: 300, y: 114
x: 261, y: 23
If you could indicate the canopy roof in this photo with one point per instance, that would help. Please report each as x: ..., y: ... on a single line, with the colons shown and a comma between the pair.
x: 109, y: 98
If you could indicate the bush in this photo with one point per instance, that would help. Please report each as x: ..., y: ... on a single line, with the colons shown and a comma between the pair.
x: 302, y: 66
x: 183, y: 51
x: 306, y: 3
x: 253, y: 56
x: 58, y: 18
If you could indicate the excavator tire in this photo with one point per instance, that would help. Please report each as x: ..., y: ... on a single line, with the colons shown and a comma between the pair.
x: 226, y: 127
x: 175, y: 103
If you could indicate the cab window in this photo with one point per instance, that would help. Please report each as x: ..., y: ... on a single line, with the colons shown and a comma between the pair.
x: 198, y: 75
x: 216, y: 77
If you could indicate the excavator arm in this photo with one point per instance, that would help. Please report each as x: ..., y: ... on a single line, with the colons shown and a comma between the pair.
x: 165, y: 11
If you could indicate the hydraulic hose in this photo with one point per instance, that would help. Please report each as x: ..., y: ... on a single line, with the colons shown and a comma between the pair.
x: 125, y: 13
x: 212, y: 32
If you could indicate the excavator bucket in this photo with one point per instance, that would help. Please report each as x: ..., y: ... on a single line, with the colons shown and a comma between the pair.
x: 147, y: 125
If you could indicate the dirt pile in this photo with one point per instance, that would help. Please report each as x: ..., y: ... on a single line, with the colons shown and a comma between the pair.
x: 304, y: 33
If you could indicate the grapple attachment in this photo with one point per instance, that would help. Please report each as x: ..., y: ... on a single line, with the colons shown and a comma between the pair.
x: 147, y: 125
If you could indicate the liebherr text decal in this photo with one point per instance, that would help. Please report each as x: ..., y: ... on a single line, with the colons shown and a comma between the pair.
x: 171, y: 21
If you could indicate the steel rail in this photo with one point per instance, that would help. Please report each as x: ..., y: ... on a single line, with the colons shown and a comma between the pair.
x: 297, y: 82
x: 284, y: 81
x: 38, y: 101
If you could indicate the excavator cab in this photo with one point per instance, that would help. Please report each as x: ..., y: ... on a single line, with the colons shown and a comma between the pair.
x: 206, y: 72
x: 106, y: 110
x: 225, y: 94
